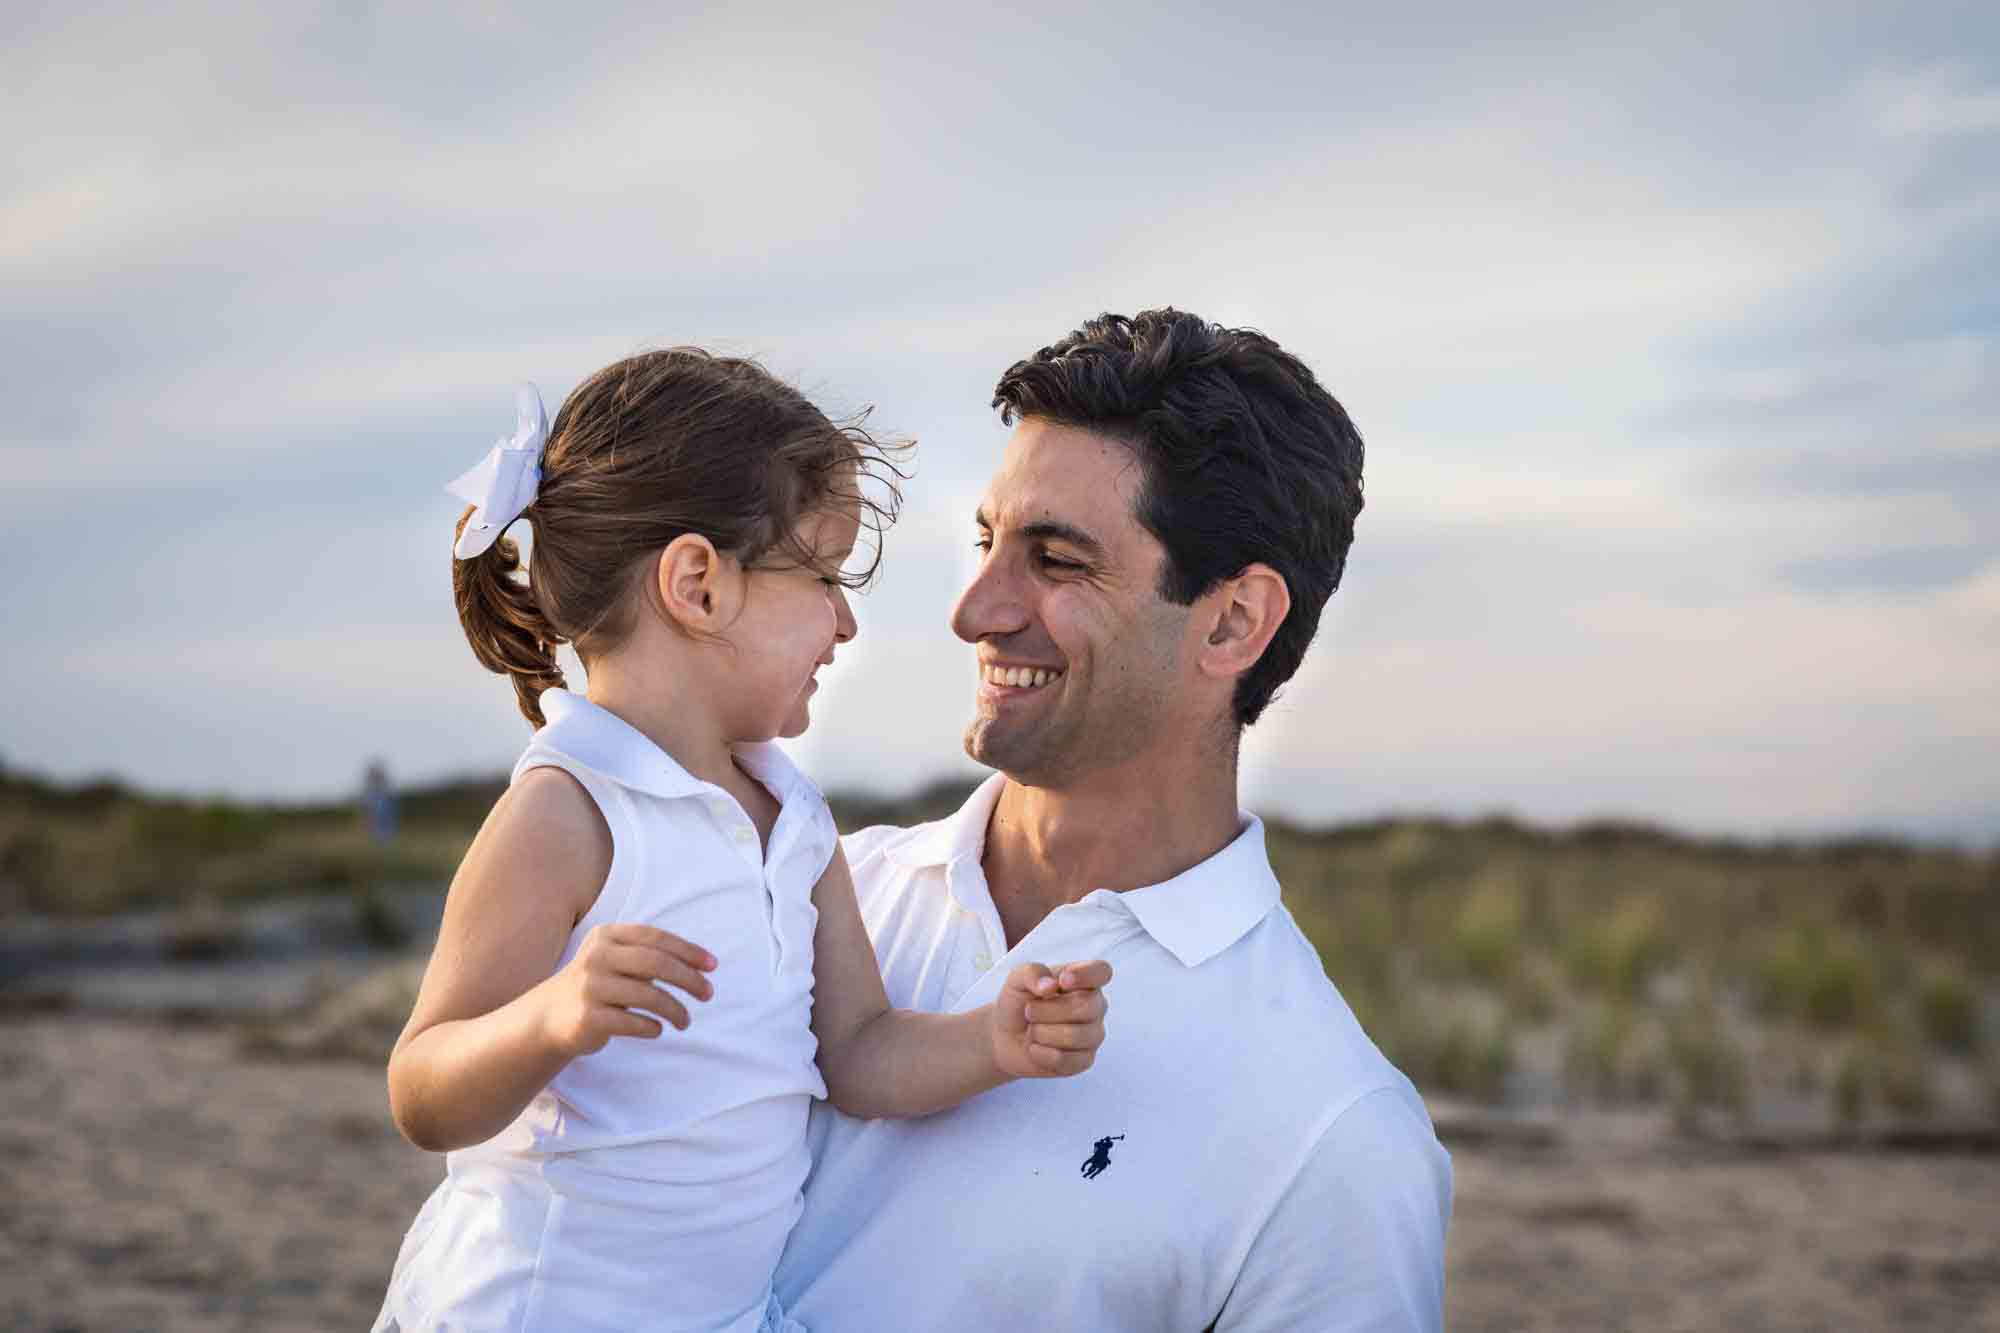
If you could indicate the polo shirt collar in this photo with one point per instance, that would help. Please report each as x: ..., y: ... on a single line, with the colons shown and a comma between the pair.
x: 959, y: 835
x: 1194, y: 916
x: 605, y: 743
x: 1209, y: 906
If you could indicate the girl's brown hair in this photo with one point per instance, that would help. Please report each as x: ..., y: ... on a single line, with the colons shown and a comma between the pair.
x: 648, y: 449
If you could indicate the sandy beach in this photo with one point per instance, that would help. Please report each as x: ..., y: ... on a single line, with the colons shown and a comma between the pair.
x: 156, y: 1177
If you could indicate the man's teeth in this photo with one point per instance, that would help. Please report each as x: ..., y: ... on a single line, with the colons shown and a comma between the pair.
x: 1018, y: 677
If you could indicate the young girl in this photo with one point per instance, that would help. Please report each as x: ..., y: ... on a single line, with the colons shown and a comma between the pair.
x: 654, y: 864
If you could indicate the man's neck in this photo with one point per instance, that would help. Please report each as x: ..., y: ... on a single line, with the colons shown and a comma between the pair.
x: 1120, y: 829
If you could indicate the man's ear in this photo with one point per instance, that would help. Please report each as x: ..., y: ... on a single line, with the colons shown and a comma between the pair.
x: 1246, y: 612
x: 692, y: 581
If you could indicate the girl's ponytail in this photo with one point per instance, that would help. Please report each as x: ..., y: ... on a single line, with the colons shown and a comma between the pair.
x: 504, y: 623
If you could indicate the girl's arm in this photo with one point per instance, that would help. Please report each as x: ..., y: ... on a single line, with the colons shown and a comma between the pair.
x: 491, y: 1024
x: 879, y: 1061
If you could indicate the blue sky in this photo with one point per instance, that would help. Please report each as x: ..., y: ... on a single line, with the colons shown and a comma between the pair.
x: 1672, y: 336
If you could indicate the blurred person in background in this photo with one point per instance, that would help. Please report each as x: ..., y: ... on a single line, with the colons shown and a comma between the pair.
x: 1170, y: 515
x: 378, y: 803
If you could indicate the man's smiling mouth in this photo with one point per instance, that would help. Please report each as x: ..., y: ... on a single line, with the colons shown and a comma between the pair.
x: 1019, y: 678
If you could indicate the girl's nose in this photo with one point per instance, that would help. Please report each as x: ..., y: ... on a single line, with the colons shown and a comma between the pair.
x: 844, y: 624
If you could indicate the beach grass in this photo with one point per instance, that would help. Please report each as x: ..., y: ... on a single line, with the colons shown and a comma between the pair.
x: 1859, y: 975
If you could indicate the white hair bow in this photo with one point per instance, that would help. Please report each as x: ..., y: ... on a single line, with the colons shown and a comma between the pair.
x: 505, y: 481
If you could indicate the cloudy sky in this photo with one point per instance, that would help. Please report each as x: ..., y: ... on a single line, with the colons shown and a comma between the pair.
x: 1675, y: 340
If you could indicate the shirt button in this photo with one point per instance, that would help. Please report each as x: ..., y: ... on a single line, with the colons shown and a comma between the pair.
x: 982, y: 961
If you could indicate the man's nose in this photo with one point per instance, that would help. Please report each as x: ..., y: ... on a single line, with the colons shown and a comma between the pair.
x: 990, y: 605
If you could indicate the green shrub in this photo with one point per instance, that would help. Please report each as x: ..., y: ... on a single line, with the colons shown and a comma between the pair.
x: 1487, y: 933
x: 1617, y: 953
x: 1948, y: 1008
x: 1820, y: 978
x: 1533, y: 990
x: 1850, y: 1087
x: 1885, y: 1069
x: 1354, y: 929
x: 1473, y: 1059
x: 1708, y: 1063
x: 1905, y: 1082
x: 27, y: 865
x: 1610, y: 1054
x: 1456, y: 1053
x: 205, y: 829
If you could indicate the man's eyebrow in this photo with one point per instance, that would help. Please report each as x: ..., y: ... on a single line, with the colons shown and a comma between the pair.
x: 1049, y: 529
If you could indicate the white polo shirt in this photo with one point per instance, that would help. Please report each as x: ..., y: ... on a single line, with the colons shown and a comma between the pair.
x: 1239, y: 1156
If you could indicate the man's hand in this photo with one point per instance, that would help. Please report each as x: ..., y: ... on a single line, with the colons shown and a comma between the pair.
x: 601, y: 993
x: 1049, y: 1022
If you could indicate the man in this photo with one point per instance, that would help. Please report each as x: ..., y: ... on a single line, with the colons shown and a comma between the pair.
x: 1171, y: 513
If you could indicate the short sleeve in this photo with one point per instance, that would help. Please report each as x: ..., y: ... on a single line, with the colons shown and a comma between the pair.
x: 1357, y: 1240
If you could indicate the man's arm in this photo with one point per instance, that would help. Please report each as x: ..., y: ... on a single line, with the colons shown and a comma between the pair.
x: 1357, y: 1241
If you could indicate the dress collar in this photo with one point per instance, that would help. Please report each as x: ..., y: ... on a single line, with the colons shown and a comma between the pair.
x: 605, y: 743
x: 1194, y: 916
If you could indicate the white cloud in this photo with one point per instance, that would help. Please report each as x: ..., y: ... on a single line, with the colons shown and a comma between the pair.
x: 1630, y: 337
x: 1938, y: 99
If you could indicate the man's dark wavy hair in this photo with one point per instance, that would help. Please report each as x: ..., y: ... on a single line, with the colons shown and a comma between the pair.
x: 1244, y: 457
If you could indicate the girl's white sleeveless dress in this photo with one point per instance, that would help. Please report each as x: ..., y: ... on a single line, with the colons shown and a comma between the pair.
x: 650, y: 1186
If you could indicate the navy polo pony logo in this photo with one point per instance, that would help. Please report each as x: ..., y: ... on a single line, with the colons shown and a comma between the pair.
x: 1101, y: 1158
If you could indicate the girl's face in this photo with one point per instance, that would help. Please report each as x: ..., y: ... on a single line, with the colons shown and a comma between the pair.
x: 793, y: 617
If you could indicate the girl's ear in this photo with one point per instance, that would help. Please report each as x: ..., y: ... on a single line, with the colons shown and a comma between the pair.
x: 692, y: 580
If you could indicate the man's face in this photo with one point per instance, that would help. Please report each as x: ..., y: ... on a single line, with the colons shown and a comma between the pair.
x: 1082, y: 664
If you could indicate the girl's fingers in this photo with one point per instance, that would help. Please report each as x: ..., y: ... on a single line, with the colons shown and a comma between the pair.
x: 1083, y: 1007
x: 666, y: 1006
x: 627, y: 994
x: 1057, y: 1063
x: 652, y: 937
x: 1092, y: 975
x: 1066, y: 1036
x: 644, y: 964
x: 1034, y: 979
x: 625, y: 1023
x: 1040, y: 980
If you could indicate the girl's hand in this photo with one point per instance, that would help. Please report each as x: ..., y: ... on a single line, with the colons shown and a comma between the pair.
x: 1048, y: 1023
x: 598, y: 995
